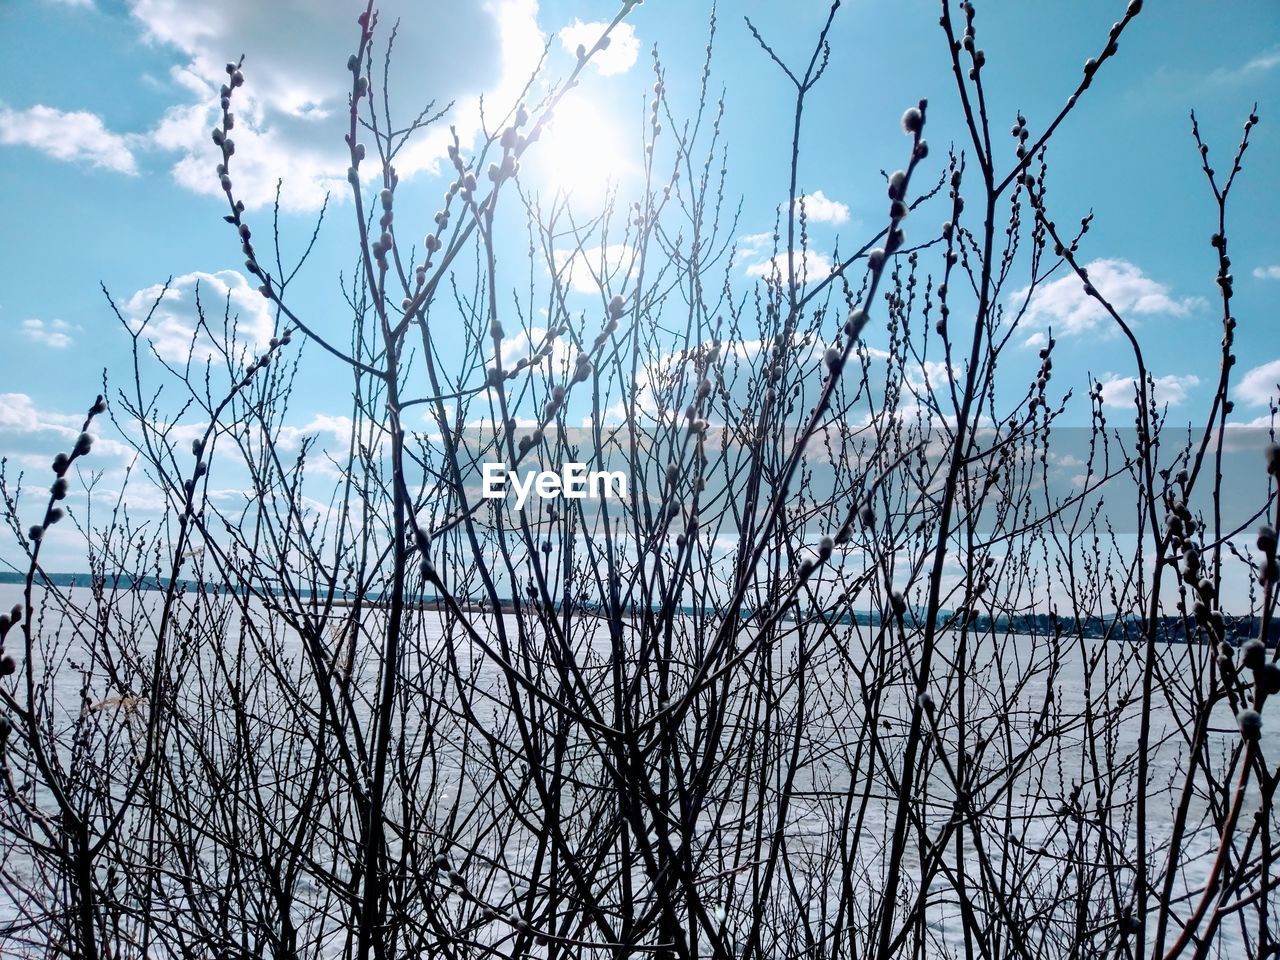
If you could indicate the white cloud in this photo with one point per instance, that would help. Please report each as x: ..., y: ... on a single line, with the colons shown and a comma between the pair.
x: 174, y: 319
x: 75, y: 136
x: 744, y: 362
x: 1267, y: 273
x: 51, y: 333
x: 585, y: 269
x: 522, y: 346
x: 619, y: 57
x: 811, y: 266
x: 82, y: 4
x: 1036, y: 340
x: 19, y: 414
x: 290, y: 112
x: 336, y: 427
x: 1063, y: 303
x: 819, y: 208
x: 306, y: 172
x: 1170, y: 390
x: 1258, y: 386
x: 752, y: 247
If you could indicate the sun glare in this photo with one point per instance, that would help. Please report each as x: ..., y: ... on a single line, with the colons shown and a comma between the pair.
x: 581, y: 152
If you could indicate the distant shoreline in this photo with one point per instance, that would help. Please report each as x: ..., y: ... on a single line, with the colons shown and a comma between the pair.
x: 1239, y: 628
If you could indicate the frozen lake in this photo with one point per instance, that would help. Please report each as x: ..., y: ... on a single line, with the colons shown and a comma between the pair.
x: 1041, y: 719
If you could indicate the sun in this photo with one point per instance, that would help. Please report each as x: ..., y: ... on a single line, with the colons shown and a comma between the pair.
x: 581, y: 152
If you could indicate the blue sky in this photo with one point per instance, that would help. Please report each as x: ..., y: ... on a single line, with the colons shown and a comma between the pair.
x: 105, y: 162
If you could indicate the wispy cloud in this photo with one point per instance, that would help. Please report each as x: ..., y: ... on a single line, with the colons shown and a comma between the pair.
x: 619, y: 57
x: 1263, y: 62
x: 75, y: 136
x: 1267, y: 273
x: 755, y: 241
x: 51, y: 333
x: 1064, y: 305
x: 752, y: 246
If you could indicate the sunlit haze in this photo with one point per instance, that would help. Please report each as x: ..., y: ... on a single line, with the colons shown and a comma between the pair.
x: 583, y: 153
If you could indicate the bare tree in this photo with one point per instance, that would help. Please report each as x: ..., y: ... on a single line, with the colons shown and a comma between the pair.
x: 844, y: 675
